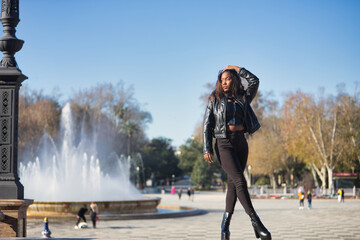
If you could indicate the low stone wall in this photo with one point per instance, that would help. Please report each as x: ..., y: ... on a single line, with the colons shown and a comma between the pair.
x: 41, y: 209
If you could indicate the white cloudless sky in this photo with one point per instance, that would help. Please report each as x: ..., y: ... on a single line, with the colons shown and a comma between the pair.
x: 169, y: 50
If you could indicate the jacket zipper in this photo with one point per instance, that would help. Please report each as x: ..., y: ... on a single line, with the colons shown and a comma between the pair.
x: 225, y: 104
x: 234, y: 105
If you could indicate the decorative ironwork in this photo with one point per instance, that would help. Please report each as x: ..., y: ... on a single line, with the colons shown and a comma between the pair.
x: 10, y: 8
x: 4, y: 130
x: 5, y: 103
x: 4, y: 160
x: 9, y: 43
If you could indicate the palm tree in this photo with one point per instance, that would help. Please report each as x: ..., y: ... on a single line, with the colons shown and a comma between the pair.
x: 129, y: 128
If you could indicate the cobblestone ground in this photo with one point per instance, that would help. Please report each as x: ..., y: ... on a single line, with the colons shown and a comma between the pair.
x: 328, y: 219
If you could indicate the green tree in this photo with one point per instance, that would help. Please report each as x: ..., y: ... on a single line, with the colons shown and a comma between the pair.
x: 129, y: 128
x: 203, y: 172
x: 159, y: 158
x: 189, y: 153
x: 192, y: 163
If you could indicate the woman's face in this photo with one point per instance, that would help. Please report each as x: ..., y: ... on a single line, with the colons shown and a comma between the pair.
x: 226, y: 81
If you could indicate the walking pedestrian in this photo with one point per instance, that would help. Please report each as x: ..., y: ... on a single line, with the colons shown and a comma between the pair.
x: 228, y: 116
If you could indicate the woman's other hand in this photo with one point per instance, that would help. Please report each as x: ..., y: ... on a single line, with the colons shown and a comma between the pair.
x: 208, y: 157
x: 236, y: 68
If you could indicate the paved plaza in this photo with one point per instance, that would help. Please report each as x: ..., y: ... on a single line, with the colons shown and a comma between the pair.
x: 327, y: 220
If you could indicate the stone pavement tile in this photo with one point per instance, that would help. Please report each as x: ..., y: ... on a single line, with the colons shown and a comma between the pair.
x: 289, y: 237
x: 327, y: 220
x: 311, y: 238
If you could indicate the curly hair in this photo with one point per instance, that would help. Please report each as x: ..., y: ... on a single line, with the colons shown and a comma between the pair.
x: 236, y: 88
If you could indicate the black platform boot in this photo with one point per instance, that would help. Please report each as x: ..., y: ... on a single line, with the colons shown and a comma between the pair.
x: 259, y: 228
x: 225, y: 233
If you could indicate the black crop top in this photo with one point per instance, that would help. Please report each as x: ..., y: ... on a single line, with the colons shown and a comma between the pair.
x: 234, y: 114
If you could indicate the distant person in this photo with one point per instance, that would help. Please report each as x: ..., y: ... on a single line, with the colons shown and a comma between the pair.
x: 179, y: 192
x: 339, y: 192
x: 342, y: 195
x: 173, y: 190
x: 228, y: 117
x: 81, y: 215
x: 189, y: 192
x: 301, y: 200
x: 94, y: 211
x: 309, y: 199
x: 192, y: 194
x: 163, y: 190
x: 354, y: 191
x: 317, y: 193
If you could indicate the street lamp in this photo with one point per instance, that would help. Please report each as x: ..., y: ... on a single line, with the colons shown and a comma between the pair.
x: 13, y: 205
x: 11, y: 78
x: 249, y: 183
x: 138, y: 177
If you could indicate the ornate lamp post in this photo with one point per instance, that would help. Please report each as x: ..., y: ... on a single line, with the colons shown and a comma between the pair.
x: 10, y: 82
x: 12, y: 203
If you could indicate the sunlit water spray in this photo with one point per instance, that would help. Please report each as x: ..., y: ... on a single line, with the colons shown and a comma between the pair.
x: 73, y: 173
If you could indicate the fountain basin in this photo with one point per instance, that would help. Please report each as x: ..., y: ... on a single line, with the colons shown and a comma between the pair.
x: 40, y: 209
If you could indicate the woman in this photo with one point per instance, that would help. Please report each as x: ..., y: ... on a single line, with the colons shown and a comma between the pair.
x: 93, y: 213
x: 228, y: 116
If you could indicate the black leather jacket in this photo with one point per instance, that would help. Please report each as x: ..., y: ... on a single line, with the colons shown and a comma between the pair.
x: 215, y: 115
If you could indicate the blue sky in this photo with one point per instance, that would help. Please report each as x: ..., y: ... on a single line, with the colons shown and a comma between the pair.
x: 169, y: 50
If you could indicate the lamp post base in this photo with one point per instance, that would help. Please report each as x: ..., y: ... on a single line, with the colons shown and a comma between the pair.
x: 11, y: 190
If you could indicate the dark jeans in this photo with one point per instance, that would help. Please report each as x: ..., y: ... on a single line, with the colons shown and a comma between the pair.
x: 232, y: 153
x: 79, y: 218
x: 93, y: 219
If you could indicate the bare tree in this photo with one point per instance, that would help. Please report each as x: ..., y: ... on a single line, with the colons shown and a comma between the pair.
x: 37, y: 113
x: 311, y: 132
x: 349, y: 124
x: 267, y: 153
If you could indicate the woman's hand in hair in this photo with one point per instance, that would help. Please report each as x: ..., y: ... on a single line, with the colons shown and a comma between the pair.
x: 208, y: 157
x: 236, y: 68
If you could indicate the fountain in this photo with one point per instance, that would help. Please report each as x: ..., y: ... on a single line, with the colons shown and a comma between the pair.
x: 62, y: 179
